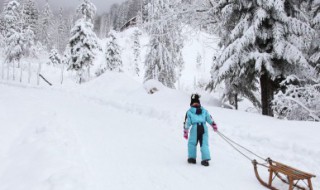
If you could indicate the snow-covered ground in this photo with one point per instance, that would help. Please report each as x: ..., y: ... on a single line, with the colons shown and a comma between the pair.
x: 111, y: 134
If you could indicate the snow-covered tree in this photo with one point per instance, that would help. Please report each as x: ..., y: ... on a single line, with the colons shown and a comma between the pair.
x: 145, y: 10
x: 2, y: 43
x: 83, y: 44
x: 175, y: 43
x: 82, y: 47
x: 164, y: 54
x: 62, y: 32
x: 2, y: 24
x: 29, y: 42
x: 199, y: 14
x: 54, y: 57
x: 13, y: 35
x: 30, y: 15
x: 315, y: 22
x: 296, y: 101
x: 45, y: 26
x: 136, y: 50
x: 2, y: 33
x: 158, y: 64
x: 113, y: 54
x: 265, y: 39
x: 14, y: 48
x: 11, y: 16
x: 29, y: 49
x: 87, y: 10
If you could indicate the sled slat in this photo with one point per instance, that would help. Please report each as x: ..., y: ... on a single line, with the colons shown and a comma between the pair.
x: 293, y: 175
x: 292, y: 170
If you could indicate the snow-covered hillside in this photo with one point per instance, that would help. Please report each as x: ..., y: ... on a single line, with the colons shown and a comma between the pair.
x: 111, y: 134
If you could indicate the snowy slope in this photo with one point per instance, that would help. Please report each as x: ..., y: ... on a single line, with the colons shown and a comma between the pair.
x: 110, y: 134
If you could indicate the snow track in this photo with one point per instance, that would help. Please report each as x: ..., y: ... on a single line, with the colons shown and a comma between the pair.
x: 107, y: 136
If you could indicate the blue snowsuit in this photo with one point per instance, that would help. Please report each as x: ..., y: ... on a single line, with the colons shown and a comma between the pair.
x: 199, y: 132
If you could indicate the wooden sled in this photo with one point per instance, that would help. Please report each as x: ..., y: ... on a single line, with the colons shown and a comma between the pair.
x: 276, y: 169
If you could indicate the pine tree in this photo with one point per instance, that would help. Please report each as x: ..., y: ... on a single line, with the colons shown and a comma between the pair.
x: 2, y: 25
x: 30, y: 15
x: 113, y: 55
x: 267, y: 40
x: 2, y: 43
x: 136, y: 50
x: 164, y: 55
x: 13, y: 35
x: 145, y: 10
x: 87, y: 10
x: 175, y: 42
x: 2, y: 33
x: 11, y: 16
x: 159, y: 65
x: 45, y: 26
x: 29, y: 42
x: 83, y: 43
x: 62, y: 32
x: 315, y: 22
x: 54, y: 57
x: 14, y: 49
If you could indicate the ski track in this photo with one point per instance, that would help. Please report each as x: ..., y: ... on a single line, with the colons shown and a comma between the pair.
x: 91, y: 143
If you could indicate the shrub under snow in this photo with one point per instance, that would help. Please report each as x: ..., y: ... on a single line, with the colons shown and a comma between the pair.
x: 298, y: 103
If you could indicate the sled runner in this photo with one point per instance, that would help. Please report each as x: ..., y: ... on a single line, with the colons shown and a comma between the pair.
x: 285, y: 173
x: 279, y: 170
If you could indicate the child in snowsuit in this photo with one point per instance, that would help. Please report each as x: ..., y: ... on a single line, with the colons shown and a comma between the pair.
x: 197, y: 117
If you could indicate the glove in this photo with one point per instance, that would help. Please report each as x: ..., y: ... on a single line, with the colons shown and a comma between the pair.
x: 215, y: 127
x: 185, y: 134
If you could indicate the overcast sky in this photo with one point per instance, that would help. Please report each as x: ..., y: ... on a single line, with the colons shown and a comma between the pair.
x: 102, y: 5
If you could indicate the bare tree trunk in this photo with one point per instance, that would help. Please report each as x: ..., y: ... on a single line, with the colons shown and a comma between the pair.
x: 267, y: 91
x: 236, y: 101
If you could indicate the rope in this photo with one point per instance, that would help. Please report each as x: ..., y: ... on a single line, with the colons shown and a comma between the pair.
x: 232, y: 143
x: 234, y: 147
x: 263, y: 165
